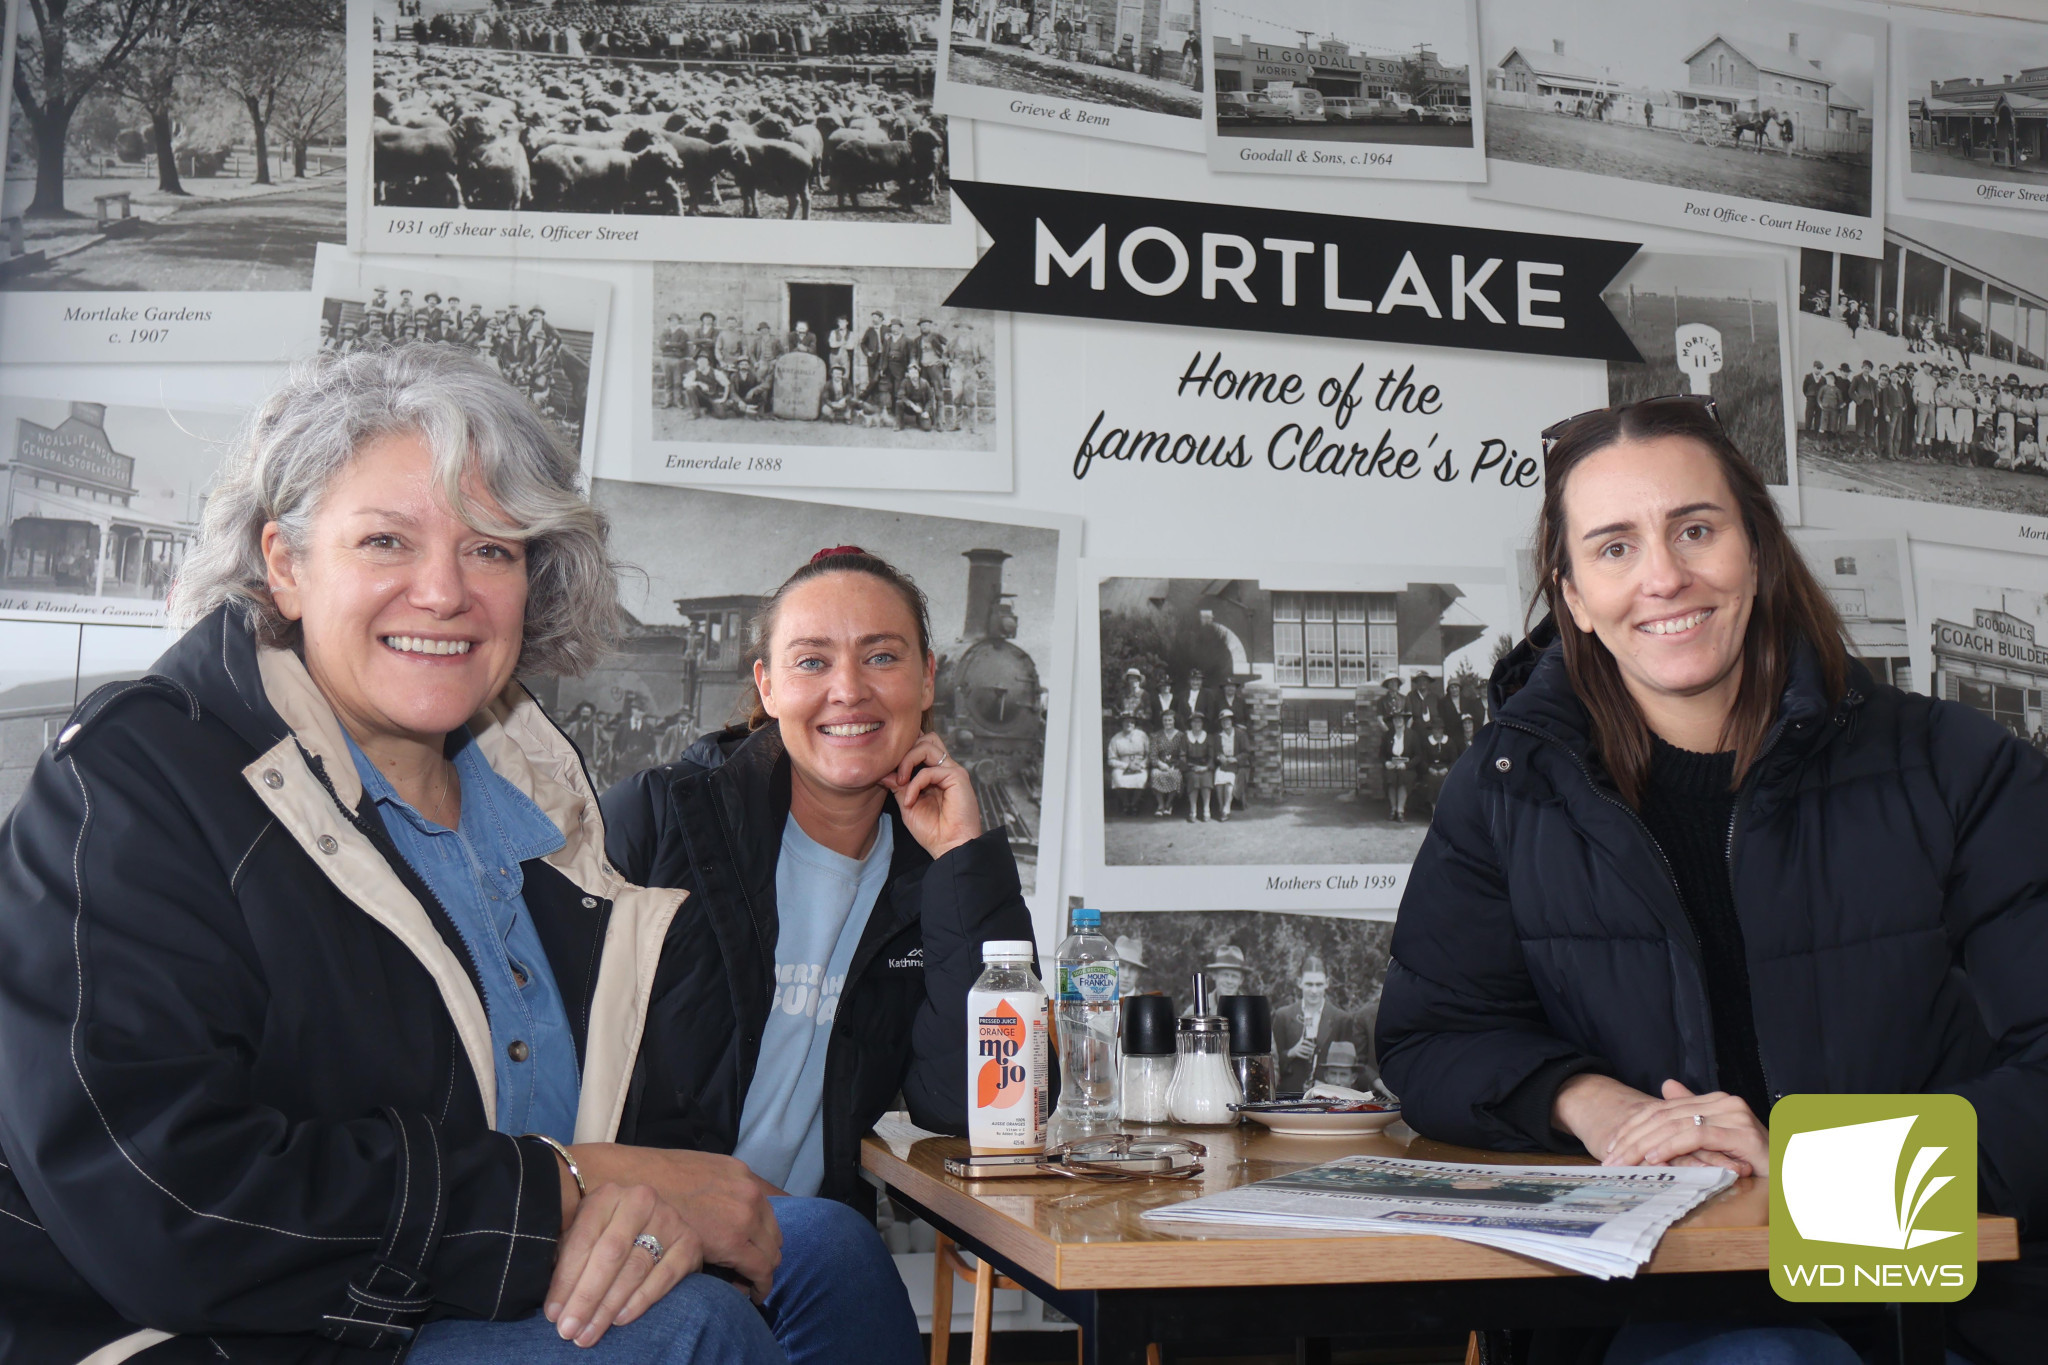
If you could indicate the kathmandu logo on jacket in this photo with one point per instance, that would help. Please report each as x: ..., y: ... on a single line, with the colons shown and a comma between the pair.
x: 912, y: 960
x: 1854, y: 1203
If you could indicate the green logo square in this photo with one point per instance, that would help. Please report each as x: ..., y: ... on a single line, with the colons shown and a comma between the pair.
x: 1873, y: 1198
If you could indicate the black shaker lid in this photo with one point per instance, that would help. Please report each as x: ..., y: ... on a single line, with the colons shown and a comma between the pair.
x: 1251, y: 1022
x: 1148, y: 1025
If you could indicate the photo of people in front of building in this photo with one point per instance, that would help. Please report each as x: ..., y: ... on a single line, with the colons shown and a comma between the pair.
x: 1245, y: 721
x: 1924, y: 375
x: 844, y: 356
x: 1721, y: 98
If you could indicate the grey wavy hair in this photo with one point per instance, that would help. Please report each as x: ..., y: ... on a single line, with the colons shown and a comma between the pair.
x: 328, y: 408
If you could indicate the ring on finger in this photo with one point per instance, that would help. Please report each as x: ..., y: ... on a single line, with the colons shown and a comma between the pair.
x: 651, y: 1244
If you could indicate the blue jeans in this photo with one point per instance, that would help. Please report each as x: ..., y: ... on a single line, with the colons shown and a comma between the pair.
x: 837, y: 1297
x: 1729, y: 1343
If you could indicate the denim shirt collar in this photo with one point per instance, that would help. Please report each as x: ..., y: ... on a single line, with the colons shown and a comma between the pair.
x: 493, y: 809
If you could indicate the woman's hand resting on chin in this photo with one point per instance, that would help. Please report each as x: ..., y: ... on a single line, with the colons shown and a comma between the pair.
x: 936, y: 799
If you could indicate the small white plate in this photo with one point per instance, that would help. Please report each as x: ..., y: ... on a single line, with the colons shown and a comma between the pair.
x: 1326, y: 1125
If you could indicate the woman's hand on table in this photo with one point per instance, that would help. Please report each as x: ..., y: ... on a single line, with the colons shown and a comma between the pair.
x: 603, y: 1277
x: 1666, y: 1133
x: 935, y: 796
x: 1621, y: 1126
x: 724, y: 1204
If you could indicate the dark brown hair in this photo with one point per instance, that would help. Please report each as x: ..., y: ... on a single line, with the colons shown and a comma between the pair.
x: 838, y: 559
x: 1790, y: 605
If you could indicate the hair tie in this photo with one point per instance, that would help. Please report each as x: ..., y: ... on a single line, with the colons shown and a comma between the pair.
x: 837, y: 550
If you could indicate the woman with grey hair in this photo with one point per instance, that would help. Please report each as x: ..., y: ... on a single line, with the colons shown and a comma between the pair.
x: 320, y: 1003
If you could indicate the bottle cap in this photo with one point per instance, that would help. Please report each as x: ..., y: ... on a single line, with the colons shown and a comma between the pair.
x: 1084, y: 918
x: 1006, y: 950
x: 1251, y: 1023
x: 1148, y: 1025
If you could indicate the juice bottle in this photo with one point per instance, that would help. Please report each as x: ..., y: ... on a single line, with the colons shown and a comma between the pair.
x: 1006, y: 1052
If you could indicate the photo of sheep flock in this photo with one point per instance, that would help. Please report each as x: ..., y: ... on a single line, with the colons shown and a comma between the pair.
x: 778, y: 108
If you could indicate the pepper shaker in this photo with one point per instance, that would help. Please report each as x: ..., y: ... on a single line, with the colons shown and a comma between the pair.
x: 1251, y: 1045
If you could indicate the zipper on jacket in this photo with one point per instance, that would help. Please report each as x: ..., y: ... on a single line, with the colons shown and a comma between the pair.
x: 1734, y: 817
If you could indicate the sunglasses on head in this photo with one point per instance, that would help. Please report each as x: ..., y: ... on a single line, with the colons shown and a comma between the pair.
x: 1554, y: 433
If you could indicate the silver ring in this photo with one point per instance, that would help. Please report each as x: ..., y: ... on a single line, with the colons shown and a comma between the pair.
x: 1698, y: 1121
x: 941, y: 763
x: 650, y: 1244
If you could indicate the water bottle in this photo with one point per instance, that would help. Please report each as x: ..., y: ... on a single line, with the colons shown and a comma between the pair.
x: 1086, y: 977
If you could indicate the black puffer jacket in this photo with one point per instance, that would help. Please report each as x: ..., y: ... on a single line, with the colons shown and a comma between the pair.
x: 1890, y: 871
x: 246, y: 1082
x: 712, y: 824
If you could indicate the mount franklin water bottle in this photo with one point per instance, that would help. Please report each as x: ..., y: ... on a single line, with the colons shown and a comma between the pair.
x: 1085, y: 974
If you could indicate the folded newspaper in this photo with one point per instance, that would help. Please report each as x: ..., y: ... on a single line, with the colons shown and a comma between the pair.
x: 1601, y: 1220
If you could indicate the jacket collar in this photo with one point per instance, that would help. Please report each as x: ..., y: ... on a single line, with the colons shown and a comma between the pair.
x: 750, y: 780
x: 1532, y: 687
x: 304, y: 775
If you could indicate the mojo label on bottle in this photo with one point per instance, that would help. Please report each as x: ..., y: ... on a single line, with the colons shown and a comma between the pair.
x: 1006, y: 1079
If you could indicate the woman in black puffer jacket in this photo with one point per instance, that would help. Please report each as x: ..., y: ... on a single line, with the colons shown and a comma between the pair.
x: 1701, y: 860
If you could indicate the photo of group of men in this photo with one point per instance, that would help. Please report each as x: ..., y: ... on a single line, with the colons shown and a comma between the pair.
x: 1926, y: 410
x: 549, y: 364
x: 885, y: 376
x: 631, y: 739
x: 1323, y: 976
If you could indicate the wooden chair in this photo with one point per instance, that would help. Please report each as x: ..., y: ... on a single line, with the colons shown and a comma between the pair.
x: 946, y: 1265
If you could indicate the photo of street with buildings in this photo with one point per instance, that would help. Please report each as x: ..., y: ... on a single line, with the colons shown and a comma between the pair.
x: 1319, y: 71
x: 1975, y: 102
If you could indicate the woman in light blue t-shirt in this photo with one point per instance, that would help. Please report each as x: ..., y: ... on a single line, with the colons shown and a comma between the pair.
x: 841, y: 889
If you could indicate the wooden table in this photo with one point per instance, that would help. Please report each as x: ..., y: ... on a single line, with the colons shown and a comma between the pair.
x: 1083, y: 1247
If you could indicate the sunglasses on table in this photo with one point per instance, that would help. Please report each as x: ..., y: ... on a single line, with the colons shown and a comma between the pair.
x: 1554, y: 433
x: 1125, y: 1156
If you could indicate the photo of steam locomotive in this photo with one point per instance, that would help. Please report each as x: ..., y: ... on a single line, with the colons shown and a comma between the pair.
x: 990, y: 706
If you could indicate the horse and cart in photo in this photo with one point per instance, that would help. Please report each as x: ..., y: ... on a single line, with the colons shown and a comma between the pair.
x: 1712, y: 127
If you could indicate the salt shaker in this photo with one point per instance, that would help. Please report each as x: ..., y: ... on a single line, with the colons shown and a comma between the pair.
x: 1251, y: 1044
x: 1204, y: 1087
x: 1148, y: 1034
